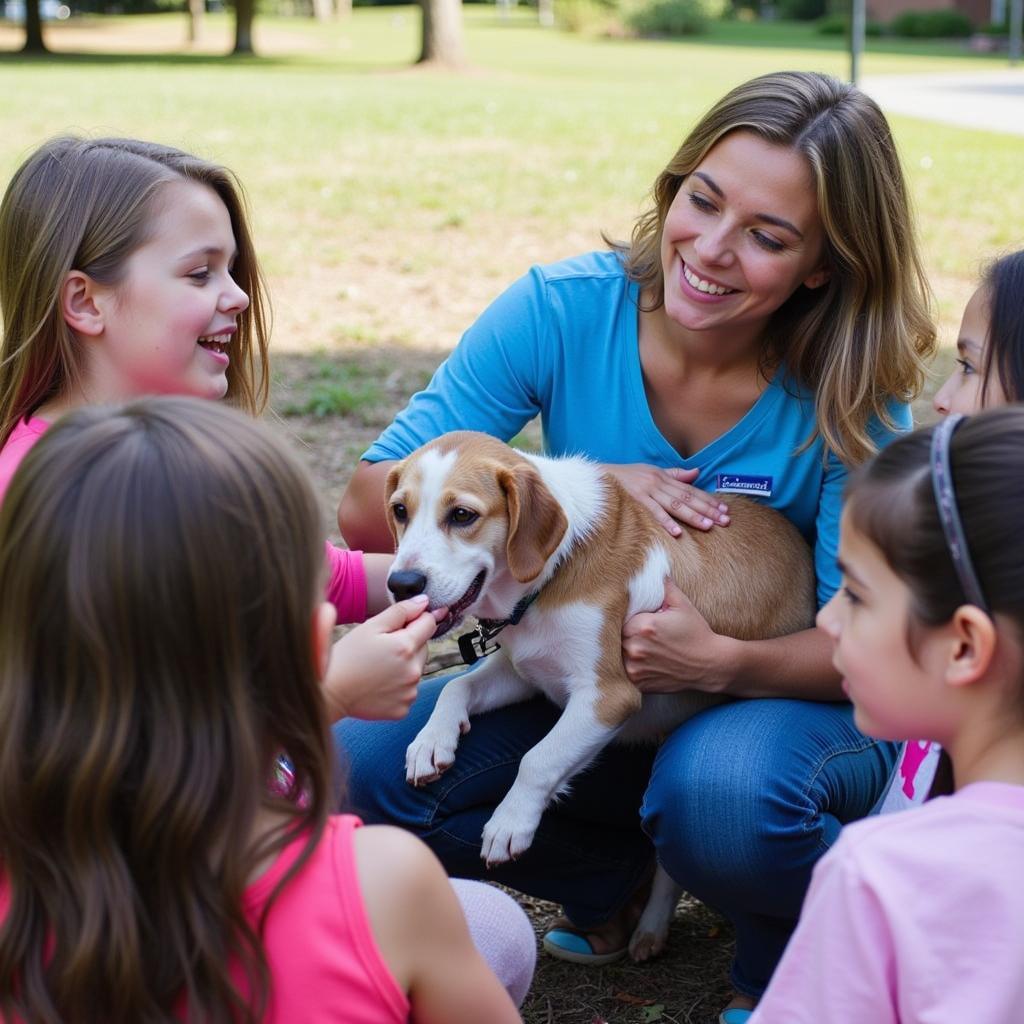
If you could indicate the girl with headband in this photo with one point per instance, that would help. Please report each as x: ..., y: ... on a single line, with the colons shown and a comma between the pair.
x: 928, y: 633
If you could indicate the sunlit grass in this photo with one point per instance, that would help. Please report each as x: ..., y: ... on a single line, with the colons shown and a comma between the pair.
x: 392, y: 203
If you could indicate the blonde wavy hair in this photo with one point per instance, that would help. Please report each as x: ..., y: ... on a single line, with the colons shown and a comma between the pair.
x: 863, y: 338
x: 88, y: 205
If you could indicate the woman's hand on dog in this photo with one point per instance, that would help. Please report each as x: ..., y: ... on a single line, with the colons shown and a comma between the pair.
x: 671, y: 496
x: 673, y: 648
x: 374, y: 670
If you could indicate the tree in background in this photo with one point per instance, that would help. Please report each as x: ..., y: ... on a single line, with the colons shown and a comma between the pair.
x: 245, y: 10
x: 442, y: 33
x: 33, y: 29
x: 196, y: 10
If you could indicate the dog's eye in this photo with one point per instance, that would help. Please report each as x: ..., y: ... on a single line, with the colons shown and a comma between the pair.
x: 400, y: 512
x: 462, y: 516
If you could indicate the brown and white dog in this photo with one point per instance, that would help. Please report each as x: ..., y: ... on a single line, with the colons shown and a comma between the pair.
x: 481, y: 528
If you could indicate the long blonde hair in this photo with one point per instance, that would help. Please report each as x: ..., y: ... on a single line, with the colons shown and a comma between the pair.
x: 864, y: 337
x: 88, y: 205
x: 160, y: 563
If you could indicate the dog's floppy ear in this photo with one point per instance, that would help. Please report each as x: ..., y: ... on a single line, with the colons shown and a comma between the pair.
x: 390, y: 486
x: 536, y: 522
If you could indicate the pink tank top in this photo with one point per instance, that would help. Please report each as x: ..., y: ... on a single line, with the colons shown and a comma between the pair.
x: 324, y: 962
x: 325, y: 967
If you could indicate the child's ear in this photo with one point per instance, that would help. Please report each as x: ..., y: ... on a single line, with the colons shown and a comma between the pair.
x: 973, y: 646
x: 78, y: 304
x: 324, y: 618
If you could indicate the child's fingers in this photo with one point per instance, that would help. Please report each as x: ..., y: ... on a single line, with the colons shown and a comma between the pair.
x: 399, y: 614
x: 420, y: 630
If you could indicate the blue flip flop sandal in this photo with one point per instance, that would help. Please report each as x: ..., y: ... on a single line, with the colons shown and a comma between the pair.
x: 572, y: 944
x: 735, y: 1016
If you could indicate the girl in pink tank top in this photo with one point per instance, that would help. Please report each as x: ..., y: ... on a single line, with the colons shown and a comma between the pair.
x: 148, y: 283
x: 151, y: 673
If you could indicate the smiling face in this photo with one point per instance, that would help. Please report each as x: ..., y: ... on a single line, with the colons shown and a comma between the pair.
x: 894, y: 692
x: 169, y: 325
x: 962, y: 391
x: 742, y: 234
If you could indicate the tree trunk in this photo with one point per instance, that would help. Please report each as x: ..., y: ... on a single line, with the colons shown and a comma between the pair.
x: 323, y: 10
x: 442, y: 32
x: 196, y: 10
x: 244, y: 10
x: 546, y: 12
x: 343, y: 8
x: 33, y: 29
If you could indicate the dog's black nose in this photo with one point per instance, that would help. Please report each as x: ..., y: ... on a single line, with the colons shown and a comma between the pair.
x: 407, y: 583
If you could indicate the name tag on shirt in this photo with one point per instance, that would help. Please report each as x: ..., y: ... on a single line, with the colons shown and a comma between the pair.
x: 742, y: 483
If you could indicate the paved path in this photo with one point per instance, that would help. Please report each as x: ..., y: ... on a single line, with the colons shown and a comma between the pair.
x: 989, y: 100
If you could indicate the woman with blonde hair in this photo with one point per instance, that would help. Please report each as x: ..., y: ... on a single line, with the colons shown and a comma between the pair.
x: 763, y: 331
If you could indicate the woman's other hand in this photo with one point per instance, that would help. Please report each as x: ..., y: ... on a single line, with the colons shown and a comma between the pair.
x: 673, y: 648
x: 671, y: 496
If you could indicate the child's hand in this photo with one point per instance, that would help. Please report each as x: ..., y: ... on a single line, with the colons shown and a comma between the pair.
x: 374, y: 670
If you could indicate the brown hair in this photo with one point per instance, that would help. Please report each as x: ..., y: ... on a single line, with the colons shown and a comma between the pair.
x: 88, y: 204
x: 863, y: 338
x: 1004, y: 346
x: 159, y: 567
x: 891, y: 501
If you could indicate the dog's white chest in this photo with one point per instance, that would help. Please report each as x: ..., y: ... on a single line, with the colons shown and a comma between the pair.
x: 557, y: 649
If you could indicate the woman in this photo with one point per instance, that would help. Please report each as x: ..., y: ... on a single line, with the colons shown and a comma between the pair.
x: 767, y: 321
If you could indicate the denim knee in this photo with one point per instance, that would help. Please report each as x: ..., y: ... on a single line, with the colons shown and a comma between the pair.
x: 744, y: 799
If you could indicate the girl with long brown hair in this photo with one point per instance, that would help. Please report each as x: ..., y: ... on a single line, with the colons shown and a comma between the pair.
x: 152, y: 674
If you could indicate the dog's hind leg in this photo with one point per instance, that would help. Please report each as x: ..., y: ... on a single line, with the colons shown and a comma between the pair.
x: 651, y: 932
x: 494, y: 684
x: 544, y: 771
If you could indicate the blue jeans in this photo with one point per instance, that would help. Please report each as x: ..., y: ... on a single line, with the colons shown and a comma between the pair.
x: 738, y: 804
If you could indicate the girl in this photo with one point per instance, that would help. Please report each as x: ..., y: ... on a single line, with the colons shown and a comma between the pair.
x: 758, y: 325
x: 990, y: 374
x: 128, y: 268
x: 991, y: 343
x: 929, y: 636
x: 151, y: 673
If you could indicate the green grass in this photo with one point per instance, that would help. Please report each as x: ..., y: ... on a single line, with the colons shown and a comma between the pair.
x: 422, y: 193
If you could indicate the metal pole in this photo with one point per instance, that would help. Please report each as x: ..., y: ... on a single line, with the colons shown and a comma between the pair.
x: 858, y: 22
x: 1016, y: 19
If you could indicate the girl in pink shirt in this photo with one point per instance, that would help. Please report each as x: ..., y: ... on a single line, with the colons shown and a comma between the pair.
x: 919, y: 916
x: 127, y: 268
x: 151, y: 673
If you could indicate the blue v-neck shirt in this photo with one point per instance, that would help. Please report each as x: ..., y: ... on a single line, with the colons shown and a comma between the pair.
x: 562, y: 342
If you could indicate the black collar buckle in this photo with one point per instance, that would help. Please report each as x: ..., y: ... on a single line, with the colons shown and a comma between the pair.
x: 473, y: 645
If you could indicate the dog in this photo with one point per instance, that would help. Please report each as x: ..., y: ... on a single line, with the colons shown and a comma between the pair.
x: 556, y: 554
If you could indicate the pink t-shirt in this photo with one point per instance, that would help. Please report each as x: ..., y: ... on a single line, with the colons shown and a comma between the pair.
x: 346, y: 581
x: 912, y: 918
x: 22, y: 437
x: 325, y: 967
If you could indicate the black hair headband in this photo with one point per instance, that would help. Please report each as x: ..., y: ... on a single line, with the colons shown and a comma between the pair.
x: 949, y: 514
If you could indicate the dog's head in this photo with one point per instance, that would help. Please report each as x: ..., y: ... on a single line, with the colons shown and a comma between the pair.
x: 468, y: 513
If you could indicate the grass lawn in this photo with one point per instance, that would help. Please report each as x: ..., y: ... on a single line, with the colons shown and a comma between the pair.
x: 391, y: 204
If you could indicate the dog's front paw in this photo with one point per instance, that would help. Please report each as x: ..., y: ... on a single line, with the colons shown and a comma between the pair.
x: 430, y: 754
x: 509, y: 833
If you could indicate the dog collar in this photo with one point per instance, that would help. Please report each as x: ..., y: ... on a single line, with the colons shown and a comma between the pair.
x: 473, y: 645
